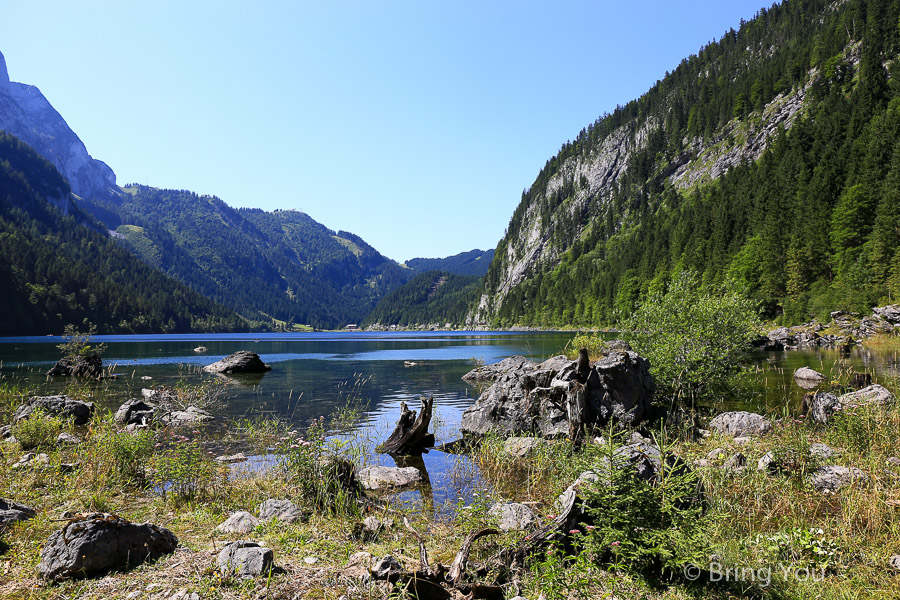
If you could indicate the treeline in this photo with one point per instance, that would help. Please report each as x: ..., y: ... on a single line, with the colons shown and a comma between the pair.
x: 473, y: 262
x: 431, y: 297
x: 813, y: 226
x: 63, y: 268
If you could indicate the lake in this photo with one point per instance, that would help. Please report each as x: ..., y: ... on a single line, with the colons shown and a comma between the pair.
x: 317, y: 374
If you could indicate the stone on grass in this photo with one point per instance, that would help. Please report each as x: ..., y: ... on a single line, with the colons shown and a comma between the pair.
x: 832, y: 478
x: 894, y: 562
x: 58, y: 406
x: 385, y: 567
x: 382, y: 478
x: 870, y: 395
x: 741, y: 424
x: 94, y: 544
x: 191, y: 416
x: 67, y: 438
x: 31, y: 460
x: 240, y: 522
x: 369, y: 529
x: 820, y: 450
x: 521, y: 447
x: 736, y: 463
x: 716, y: 453
x: 282, y: 510
x: 245, y: 559
x: 513, y: 516
x: 11, y: 512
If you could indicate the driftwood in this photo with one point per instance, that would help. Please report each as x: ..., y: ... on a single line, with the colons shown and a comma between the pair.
x: 411, y: 433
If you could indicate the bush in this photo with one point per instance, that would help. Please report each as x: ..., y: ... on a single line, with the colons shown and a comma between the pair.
x: 695, y: 339
x: 184, y: 471
x: 124, y: 453
x: 39, y: 430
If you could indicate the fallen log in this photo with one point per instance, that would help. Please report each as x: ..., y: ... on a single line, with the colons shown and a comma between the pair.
x: 411, y: 435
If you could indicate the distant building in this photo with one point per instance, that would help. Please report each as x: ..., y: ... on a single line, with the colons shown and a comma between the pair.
x: 352, y: 327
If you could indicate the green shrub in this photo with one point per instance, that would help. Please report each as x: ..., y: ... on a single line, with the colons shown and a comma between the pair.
x: 38, y: 431
x: 125, y: 453
x: 695, y: 338
x: 184, y: 471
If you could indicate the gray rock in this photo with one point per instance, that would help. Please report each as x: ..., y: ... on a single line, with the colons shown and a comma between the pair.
x: 283, y: 510
x: 530, y: 400
x: 768, y: 463
x: 385, y: 567
x: 5, y: 432
x: 890, y: 313
x: 521, y: 447
x: 383, y: 478
x: 735, y: 462
x: 504, y: 368
x: 231, y: 458
x: 136, y: 412
x: 79, y: 366
x: 894, y: 562
x: 807, y: 374
x: 31, y: 461
x: 245, y: 559
x: 369, y: 529
x: 821, y: 406
x: 240, y: 523
x: 67, y: 438
x: 741, y: 441
x: 832, y: 478
x: 873, y: 395
x: 60, y: 406
x: 893, y: 461
x: 94, y: 544
x: 513, y: 516
x: 741, y: 424
x: 716, y: 453
x: 191, y: 416
x: 821, y: 451
x: 242, y: 361
x: 201, y: 349
x: 11, y: 512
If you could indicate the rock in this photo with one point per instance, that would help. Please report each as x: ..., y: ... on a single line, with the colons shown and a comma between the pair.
x: 890, y: 313
x: 11, y: 512
x: 245, y: 559
x: 79, y: 366
x: 136, y: 412
x: 768, y: 463
x: 894, y: 562
x: 741, y: 424
x: 240, y: 522
x: 513, y: 516
x: 231, y: 458
x: 741, y: 440
x: 871, y: 395
x: 735, y: 463
x: 820, y: 450
x: 5, y: 432
x: 201, y: 349
x: 191, y: 416
x: 832, y: 478
x: 242, y: 361
x: 146, y: 378
x: 521, y: 447
x: 96, y: 543
x: 386, y: 567
x: 283, y: 510
x: 506, y: 367
x: 382, y: 478
x: 369, y: 529
x: 60, y: 406
x: 531, y: 399
x: 67, y: 438
x: 31, y: 460
x: 808, y: 374
x: 714, y: 454
x: 820, y: 406
x: 893, y: 461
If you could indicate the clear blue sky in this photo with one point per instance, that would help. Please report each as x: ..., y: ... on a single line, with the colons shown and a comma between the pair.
x: 415, y: 125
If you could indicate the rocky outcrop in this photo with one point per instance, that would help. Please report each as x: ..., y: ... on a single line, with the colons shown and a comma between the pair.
x: 536, y: 399
x: 741, y: 424
x: 495, y: 371
x: 60, y: 406
x: 10, y: 512
x: 77, y: 366
x: 26, y: 113
x: 245, y: 559
x: 94, y: 544
x: 242, y: 361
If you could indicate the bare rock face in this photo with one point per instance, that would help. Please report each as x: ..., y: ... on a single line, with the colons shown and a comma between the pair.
x: 26, y: 113
x: 245, y: 559
x: 97, y: 543
x: 60, y: 406
x: 528, y: 399
x: 741, y: 424
x: 242, y: 361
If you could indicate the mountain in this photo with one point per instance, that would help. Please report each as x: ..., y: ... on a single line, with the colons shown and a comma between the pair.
x: 769, y: 159
x: 60, y: 268
x: 26, y: 114
x: 473, y: 262
x: 430, y: 298
x: 277, y: 267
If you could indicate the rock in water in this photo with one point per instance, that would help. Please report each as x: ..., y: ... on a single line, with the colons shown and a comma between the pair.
x: 94, y: 544
x: 245, y: 559
x: 741, y: 424
x: 136, y: 412
x: 242, y: 361
x: 78, y: 366
x: 11, y: 511
x: 807, y: 374
x: 60, y: 406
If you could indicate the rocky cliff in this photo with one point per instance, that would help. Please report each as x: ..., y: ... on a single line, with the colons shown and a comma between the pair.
x: 26, y: 113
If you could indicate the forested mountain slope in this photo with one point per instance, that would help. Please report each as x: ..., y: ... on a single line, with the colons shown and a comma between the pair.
x: 770, y: 157
x: 63, y: 268
x: 473, y: 262
x: 430, y: 298
x: 268, y: 267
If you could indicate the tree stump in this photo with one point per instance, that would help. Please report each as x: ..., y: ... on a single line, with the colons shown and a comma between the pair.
x: 411, y: 435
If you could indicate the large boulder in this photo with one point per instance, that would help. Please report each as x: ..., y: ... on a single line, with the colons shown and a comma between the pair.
x: 821, y: 407
x: 11, y: 512
x: 740, y: 424
x: 240, y: 523
x: 831, y: 478
x: 77, y: 366
x: 493, y: 372
x: 808, y: 374
x: 873, y: 395
x: 531, y: 399
x: 97, y: 543
x: 385, y: 478
x: 242, y: 361
x: 282, y: 510
x: 59, y: 406
x: 136, y: 412
x: 244, y: 559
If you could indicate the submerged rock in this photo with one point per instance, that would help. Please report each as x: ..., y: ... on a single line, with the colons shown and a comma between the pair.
x: 242, y: 361
x: 94, y: 544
